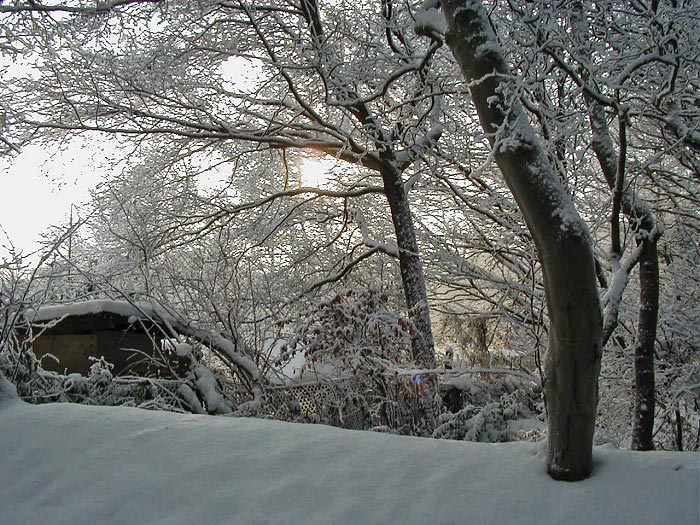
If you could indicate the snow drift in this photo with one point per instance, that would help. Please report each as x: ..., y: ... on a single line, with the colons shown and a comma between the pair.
x: 75, y: 464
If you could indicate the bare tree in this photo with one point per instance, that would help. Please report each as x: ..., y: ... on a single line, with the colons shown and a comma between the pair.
x: 314, y: 91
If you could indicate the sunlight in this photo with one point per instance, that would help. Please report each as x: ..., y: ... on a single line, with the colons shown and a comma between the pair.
x: 316, y: 171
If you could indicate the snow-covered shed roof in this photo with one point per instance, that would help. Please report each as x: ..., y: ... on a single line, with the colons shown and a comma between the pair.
x: 122, y: 314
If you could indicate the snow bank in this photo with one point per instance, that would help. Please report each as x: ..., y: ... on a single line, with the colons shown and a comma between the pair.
x: 71, y: 464
x: 8, y: 392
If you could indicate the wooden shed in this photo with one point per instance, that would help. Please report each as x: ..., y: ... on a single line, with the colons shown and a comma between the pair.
x: 128, y: 335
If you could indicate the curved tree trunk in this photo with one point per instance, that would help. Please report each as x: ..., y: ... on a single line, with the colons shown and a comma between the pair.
x: 562, y: 240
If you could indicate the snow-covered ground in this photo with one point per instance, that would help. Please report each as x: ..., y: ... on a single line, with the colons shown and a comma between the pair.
x: 74, y: 464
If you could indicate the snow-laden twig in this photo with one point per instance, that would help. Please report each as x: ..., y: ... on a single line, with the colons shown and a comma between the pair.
x: 456, y: 372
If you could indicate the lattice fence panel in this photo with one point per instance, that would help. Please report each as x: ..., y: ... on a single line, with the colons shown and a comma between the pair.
x: 339, y: 403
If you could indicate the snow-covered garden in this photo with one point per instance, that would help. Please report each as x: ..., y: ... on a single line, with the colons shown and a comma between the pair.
x: 352, y: 262
x: 74, y: 464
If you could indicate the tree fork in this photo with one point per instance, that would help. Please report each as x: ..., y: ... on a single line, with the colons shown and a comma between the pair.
x: 648, y: 314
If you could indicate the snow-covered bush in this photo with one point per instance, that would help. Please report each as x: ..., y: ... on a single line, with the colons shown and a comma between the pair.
x: 98, y: 388
x: 486, y: 408
x: 7, y: 390
x: 472, y: 423
x: 357, y: 340
x: 350, y: 332
x: 357, y: 337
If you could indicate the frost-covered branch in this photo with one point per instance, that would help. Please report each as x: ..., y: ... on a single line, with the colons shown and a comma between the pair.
x: 79, y: 8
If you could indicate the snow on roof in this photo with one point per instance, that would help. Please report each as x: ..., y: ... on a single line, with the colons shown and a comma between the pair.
x: 145, y: 312
x: 139, y: 310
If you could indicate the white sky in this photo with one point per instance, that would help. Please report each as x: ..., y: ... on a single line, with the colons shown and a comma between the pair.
x: 39, y: 186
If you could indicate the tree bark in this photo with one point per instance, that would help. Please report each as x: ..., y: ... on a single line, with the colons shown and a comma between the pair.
x: 411, y: 269
x: 679, y: 431
x: 638, y: 212
x: 412, y: 276
x: 643, y: 427
x: 561, y: 237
